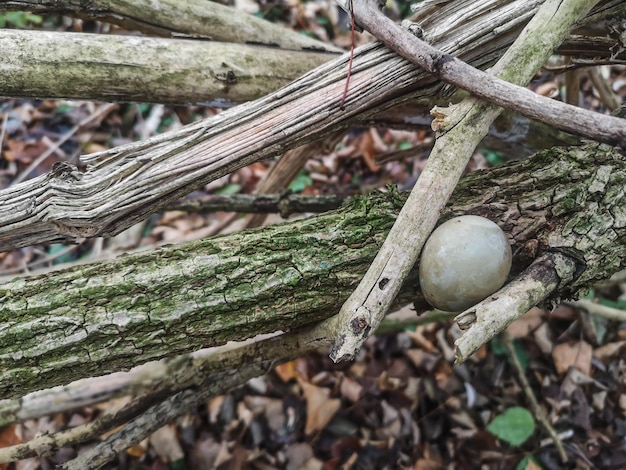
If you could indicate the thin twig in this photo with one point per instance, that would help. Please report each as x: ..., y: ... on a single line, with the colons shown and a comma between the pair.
x: 595, y: 308
x: 284, y: 204
x: 608, y: 97
x: 43, y: 445
x: 532, y: 400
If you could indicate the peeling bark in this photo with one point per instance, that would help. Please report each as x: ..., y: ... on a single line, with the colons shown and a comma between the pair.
x: 126, y: 184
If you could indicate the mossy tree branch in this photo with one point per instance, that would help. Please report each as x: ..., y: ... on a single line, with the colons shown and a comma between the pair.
x: 96, y: 319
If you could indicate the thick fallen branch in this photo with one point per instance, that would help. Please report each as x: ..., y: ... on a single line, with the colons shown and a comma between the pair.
x: 126, y: 68
x: 102, y: 318
x: 173, y: 374
x: 192, y: 18
x: 124, y: 185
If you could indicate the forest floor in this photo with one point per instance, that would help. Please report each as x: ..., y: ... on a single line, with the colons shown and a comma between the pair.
x: 403, y: 403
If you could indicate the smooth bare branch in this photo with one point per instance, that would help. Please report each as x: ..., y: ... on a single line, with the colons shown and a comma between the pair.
x: 134, y: 68
x: 201, y: 19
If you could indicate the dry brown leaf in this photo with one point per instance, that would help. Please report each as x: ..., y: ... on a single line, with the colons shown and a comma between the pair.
x: 28, y: 464
x: 527, y: 323
x: 368, y: 152
x: 320, y: 409
x: 549, y: 89
x: 204, y: 453
x: 137, y: 451
x: 213, y: 407
x: 564, y: 312
x: 420, y: 340
x: 610, y: 350
x: 423, y: 360
x: 543, y: 338
x: 574, y: 354
x: 165, y: 443
x: 297, y: 455
x: 287, y: 371
x: 8, y: 438
x: 350, y: 389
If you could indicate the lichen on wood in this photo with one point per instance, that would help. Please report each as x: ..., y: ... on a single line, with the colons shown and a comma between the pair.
x: 93, y: 319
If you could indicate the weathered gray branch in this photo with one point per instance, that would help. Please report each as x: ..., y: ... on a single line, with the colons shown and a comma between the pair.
x: 124, y: 185
x: 192, y: 18
x: 127, y: 68
x: 96, y: 319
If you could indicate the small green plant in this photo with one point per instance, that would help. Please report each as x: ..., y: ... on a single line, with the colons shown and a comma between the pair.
x: 494, y: 158
x: 520, y: 351
x: 300, y: 182
x: 228, y: 189
x: 19, y: 19
x: 514, y: 426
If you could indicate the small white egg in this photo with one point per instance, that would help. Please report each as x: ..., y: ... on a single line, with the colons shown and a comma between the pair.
x: 464, y: 260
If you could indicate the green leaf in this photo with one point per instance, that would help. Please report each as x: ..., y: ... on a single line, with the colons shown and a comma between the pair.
x: 405, y: 145
x: 520, y: 351
x: 494, y: 158
x: 35, y: 19
x: 514, y: 426
x: 228, y: 189
x: 63, y: 108
x: 301, y: 182
x: 17, y: 18
x: 523, y: 464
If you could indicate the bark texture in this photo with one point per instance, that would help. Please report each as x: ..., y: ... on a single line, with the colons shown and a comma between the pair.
x: 125, y: 68
x: 91, y: 320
